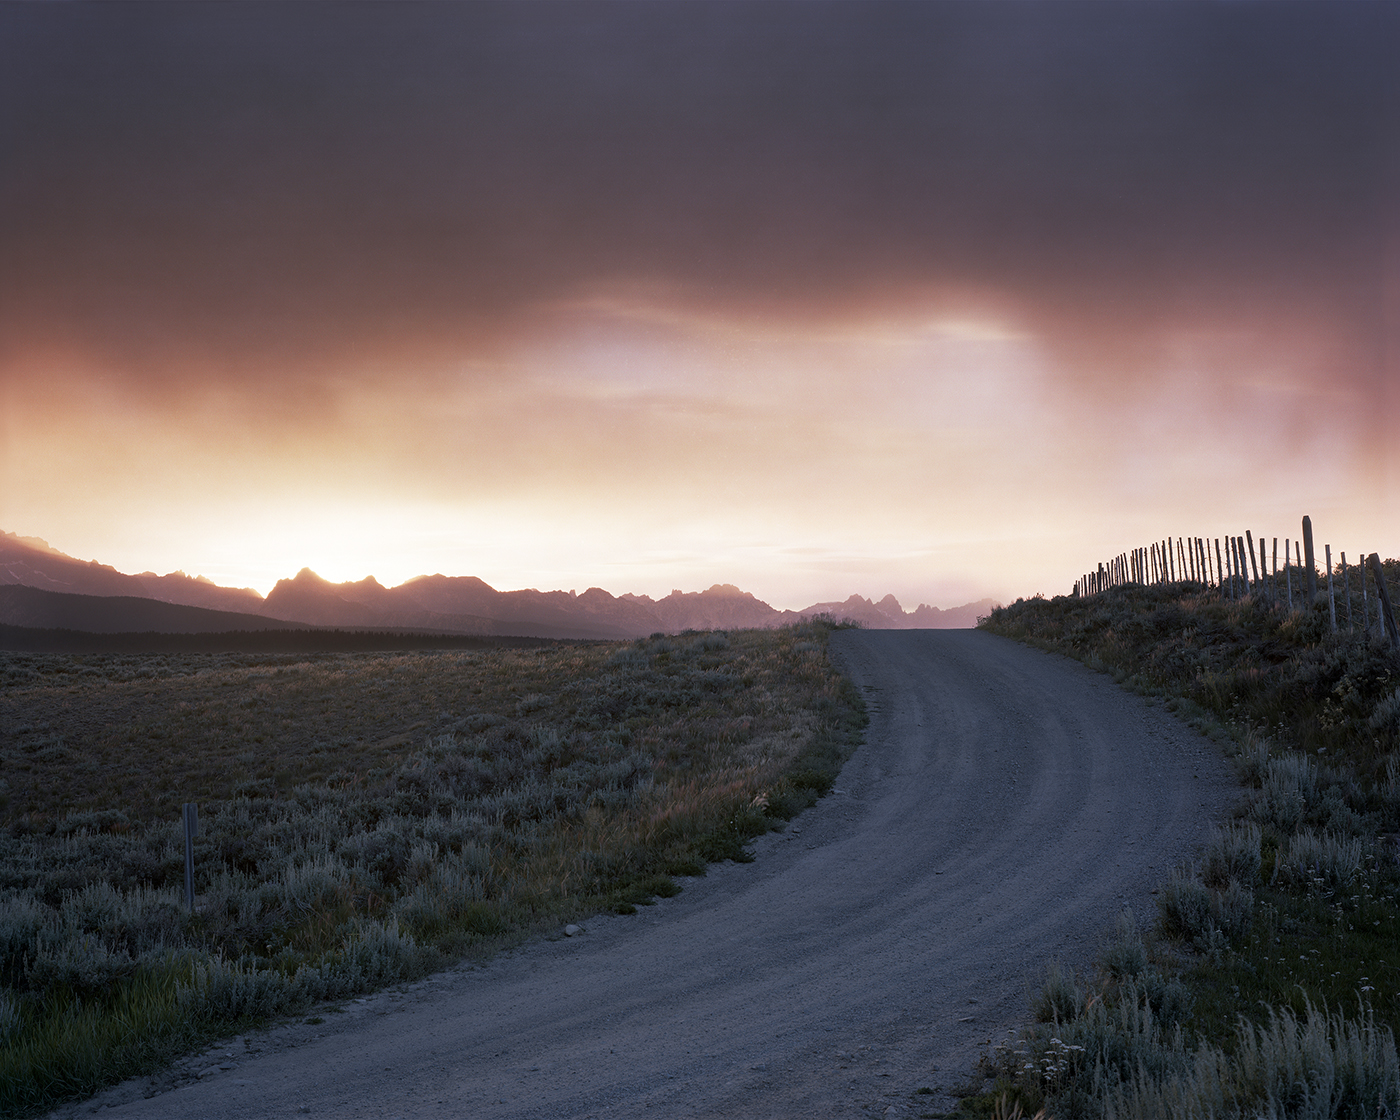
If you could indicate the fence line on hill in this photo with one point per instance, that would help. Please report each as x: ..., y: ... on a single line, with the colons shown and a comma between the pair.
x: 1236, y: 571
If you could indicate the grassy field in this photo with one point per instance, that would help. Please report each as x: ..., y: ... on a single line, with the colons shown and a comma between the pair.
x: 1268, y: 984
x: 364, y: 818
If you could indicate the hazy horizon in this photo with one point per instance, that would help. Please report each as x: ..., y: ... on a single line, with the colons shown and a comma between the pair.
x: 948, y: 301
x: 32, y: 540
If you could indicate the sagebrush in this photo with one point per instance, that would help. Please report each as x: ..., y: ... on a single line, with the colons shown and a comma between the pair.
x: 363, y: 819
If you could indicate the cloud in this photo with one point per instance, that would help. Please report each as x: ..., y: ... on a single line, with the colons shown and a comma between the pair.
x: 269, y: 187
x: 811, y: 275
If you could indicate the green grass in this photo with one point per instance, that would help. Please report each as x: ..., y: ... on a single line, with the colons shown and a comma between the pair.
x: 364, y: 819
x: 1269, y: 981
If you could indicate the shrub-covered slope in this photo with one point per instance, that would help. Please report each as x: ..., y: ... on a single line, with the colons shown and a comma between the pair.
x: 362, y: 819
x: 1268, y: 984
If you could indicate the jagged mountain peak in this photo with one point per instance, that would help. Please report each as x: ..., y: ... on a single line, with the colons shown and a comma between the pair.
x: 890, y: 605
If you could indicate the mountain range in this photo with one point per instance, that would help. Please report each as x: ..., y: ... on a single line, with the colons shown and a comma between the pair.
x: 41, y: 587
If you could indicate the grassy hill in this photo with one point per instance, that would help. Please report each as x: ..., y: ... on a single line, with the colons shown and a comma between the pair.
x: 1268, y: 983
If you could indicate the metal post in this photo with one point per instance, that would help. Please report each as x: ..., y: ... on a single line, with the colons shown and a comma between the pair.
x: 1346, y: 590
x: 1365, y: 601
x: 190, y: 814
x: 1331, y: 591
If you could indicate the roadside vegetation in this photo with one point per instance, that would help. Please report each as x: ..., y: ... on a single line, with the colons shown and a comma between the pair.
x: 1268, y: 983
x: 363, y: 819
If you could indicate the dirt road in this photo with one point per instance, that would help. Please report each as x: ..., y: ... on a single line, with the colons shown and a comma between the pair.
x: 1007, y: 804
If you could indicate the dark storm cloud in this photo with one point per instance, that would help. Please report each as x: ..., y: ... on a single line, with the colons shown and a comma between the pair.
x: 237, y: 187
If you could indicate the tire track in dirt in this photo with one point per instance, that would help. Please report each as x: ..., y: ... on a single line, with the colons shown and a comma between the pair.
x: 1006, y: 805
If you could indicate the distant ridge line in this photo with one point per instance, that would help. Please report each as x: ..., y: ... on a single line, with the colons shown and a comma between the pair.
x: 42, y: 588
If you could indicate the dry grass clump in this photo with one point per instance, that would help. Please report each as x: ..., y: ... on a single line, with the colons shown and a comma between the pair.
x: 1121, y: 1048
x: 363, y: 819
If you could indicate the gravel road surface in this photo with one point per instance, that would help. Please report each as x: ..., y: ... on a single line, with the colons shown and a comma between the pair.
x: 1006, y: 805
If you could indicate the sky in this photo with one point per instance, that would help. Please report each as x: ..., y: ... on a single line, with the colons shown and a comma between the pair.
x: 948, y: 300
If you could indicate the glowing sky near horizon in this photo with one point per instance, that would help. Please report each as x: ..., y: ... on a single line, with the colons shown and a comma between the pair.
x: 945, y: 300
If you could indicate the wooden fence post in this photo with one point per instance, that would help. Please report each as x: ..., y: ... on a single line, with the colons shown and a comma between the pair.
x: 1346, y: 591
x: 1387, y: 615
x: 1273, y: 580
x: 1331, y: 593
x: 1365, y: 599
x: 1220, y: 567
x: 190, y: 817
x: 1311, y: 561
x: 1249, y: 539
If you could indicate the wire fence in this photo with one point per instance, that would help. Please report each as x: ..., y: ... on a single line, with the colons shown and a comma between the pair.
x: 1233, y: 568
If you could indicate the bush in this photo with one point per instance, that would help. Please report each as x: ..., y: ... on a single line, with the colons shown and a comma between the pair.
x: 1193, y: 912
x: 1315, y: 1067
x: 1060, y: 999
x: 1322, y: 860
x: 1234, y: 854
x: 1125, y: 956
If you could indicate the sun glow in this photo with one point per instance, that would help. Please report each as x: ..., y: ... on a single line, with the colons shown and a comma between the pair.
x: 938, y: 457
